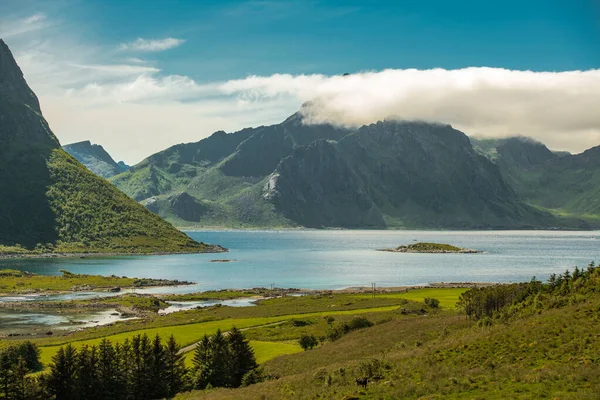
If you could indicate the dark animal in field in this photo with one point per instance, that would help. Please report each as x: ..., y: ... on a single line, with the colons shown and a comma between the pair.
x: 362, y: 382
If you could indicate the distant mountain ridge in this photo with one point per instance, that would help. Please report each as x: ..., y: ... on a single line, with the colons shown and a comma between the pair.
x: 50, y: 202
x: 389, y: 174
x: 566, y: 184
x: 95, y: 158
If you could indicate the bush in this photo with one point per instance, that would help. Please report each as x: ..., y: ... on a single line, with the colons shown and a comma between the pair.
x: 373, y: 368
x: 359, y: 323
x: 432, y: 303
x: 308, y: 342
x: 252, y: 377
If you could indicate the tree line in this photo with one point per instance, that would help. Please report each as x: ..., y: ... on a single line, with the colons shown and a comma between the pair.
x: 502, y: 300
x: 139, y: 368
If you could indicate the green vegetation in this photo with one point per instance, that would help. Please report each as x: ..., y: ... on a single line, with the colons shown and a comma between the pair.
x: 13, y: 281
x: 308, y: 342
x: 222, y: 360
x: 422, y: 247
x: 448, y: 297
x: 16, y: 362
x: 51, y: 203
x: 564, y: 184
x: 216, y: 295
x: 544, y: 347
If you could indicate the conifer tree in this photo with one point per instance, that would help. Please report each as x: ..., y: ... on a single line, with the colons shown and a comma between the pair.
x: 202, y: 363
x: 63, y: 372
x: 175, y: 370
x: 87, y: 383
x: 158, y: 386
x: 220, y: 361
x: 108, y: 372
x: 242, y: 356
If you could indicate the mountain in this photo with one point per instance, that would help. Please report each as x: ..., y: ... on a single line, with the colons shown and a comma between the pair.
x: 50, y: 201
x: 565, y: 184
x: 389, y: 174
x: 95, y: 158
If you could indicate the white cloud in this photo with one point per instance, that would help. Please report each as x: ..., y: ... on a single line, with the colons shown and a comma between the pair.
x: 557, y: 108
x: 134, y: 109
x: 151, y: 45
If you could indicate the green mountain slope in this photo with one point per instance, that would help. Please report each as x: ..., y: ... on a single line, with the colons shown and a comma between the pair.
x: 566, y: 184
x: 390, y: 174
x: 49, y: 200
x: 95, y: 158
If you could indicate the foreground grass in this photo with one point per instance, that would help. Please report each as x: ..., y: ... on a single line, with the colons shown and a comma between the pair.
x: 553, y: 355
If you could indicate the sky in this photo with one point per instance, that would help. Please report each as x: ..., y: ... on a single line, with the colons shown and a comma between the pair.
x: 140, y: 76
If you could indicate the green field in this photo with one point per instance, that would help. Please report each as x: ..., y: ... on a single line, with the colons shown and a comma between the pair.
x: 448, y: 297
x: 191, y: 333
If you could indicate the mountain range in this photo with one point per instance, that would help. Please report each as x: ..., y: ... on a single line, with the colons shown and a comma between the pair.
x: 95, y: 158
x: 50, y: 202
x: 392, y: 174
x: 566, y: 184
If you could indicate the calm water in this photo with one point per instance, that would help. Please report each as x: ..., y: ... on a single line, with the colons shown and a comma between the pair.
x: 337, y: 259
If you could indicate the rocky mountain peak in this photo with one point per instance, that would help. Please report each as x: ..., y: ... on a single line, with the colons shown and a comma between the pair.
x: 12, y: 82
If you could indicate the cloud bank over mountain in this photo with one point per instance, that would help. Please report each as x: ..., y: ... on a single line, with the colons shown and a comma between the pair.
x: 136, y: 107
x: 558, y: 108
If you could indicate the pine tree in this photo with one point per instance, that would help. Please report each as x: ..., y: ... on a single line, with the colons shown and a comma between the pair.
x: 5, y: 374
x: 124, y: 354
x: 242, y: 356
x: 202, y: 363
x: 175, y: 370
x: 108, y: 371
x: 19, y: 384
x: 88, y: 385
x: 220, y: 358
x: 63, y: 372
x: 141, y: 387
x: 156, y: 368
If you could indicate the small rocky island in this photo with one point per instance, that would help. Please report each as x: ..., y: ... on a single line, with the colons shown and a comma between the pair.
x: 430, y: 248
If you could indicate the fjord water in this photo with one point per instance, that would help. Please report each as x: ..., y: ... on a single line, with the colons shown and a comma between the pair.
x: 331, y: 259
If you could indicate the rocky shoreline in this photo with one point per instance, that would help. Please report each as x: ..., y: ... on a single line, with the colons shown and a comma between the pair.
x: 8, y: 256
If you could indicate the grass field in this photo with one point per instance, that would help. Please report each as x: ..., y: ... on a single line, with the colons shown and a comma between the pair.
x: 191, y: 333
x: 448, y: 297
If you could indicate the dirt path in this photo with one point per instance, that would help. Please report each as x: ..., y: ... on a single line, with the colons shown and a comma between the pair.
x: 192, y: 346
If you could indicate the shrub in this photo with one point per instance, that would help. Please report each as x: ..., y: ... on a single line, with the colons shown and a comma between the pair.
x: 432, y: 303
x: 359, y: 323
x: 308, y: 342
x: 373, y: 368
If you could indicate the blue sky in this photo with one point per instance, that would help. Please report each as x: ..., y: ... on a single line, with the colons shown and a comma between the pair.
x: 180, y: 44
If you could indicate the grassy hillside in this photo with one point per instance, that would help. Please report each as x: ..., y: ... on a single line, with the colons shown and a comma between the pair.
x: 530, y: 341
x: 50, y: 202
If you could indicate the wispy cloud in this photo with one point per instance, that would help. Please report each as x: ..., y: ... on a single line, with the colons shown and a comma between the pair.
x: 14, y: 27
x: 151, y: 45
x: 35, y: 18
